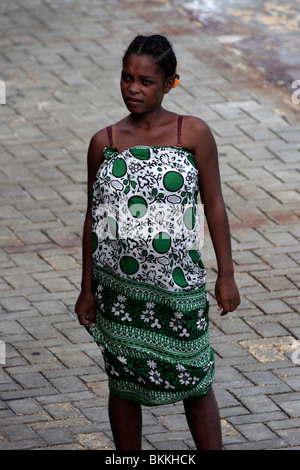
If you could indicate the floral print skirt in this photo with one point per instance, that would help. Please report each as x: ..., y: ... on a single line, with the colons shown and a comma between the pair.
x: 155, y: 345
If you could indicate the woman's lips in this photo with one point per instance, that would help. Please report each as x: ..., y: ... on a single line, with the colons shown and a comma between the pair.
x: 132, y: 101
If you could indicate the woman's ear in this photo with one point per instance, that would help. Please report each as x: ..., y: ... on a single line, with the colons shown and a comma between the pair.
x: 169, y: 84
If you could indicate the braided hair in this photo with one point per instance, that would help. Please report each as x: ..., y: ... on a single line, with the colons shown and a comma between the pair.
x: 156, y: 46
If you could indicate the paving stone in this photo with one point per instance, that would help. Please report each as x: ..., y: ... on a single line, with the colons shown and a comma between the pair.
x: 24, y: 406
x: 94, y: 441
x: 56, y: 436
x: 252, y: 431
x: 268, y: 444
x: 292, y: 408
x: 290, y: 436
x: 173, y: 445
x: 17, y: 432
x: 30, y: 381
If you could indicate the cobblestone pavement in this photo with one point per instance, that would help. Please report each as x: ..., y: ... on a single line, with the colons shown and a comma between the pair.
x: 265, y: 31
x: 60, y: 62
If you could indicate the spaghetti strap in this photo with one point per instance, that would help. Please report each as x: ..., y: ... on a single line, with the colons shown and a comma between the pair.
x: 180, y: 119
x: 109, y: 134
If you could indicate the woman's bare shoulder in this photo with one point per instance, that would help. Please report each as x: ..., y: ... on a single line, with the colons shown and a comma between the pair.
x: 95, y: 155
x: 195, y: 124
x: 100, y: 139
x: 195, y: 133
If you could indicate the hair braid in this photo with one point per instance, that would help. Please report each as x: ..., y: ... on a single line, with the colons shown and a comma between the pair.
x: 156, y: 46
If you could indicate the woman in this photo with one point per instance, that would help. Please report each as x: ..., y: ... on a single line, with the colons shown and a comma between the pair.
x: 143, y: 295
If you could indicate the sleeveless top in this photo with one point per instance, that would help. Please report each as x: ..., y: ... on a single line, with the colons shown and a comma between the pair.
x: 148, y: 277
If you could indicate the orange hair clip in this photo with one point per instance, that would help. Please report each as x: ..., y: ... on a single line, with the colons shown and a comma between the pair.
x: 177, y: 78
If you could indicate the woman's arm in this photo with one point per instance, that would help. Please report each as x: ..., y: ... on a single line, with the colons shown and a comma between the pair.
x: 85, y: 305
x: 206, y: 158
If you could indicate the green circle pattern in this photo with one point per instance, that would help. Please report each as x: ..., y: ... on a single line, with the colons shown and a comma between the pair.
x: 119, y: 167
x: 137, y: 206
x: 173, y: 181
x: 162, y: 242
x: 189, y: 218
x: 142, y: 153
x: 129, y: 265
x: 178, y: 277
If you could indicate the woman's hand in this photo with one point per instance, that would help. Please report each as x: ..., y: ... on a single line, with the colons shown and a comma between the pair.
x: 85, y: 308
x: 227, y: 294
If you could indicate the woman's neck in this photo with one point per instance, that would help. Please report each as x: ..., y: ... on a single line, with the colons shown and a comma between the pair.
x: 149, y: 120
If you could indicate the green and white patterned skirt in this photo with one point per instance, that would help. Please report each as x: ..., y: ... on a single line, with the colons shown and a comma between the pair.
x: 155, y: 344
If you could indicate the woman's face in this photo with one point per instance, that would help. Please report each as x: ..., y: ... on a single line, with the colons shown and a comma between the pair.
x: 143, y: 84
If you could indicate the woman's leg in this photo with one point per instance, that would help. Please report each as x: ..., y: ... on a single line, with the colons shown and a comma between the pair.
x: 126, y: 423
x: 204, y: 422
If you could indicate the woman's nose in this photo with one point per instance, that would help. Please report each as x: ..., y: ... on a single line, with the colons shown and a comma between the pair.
x: 134, y: 87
